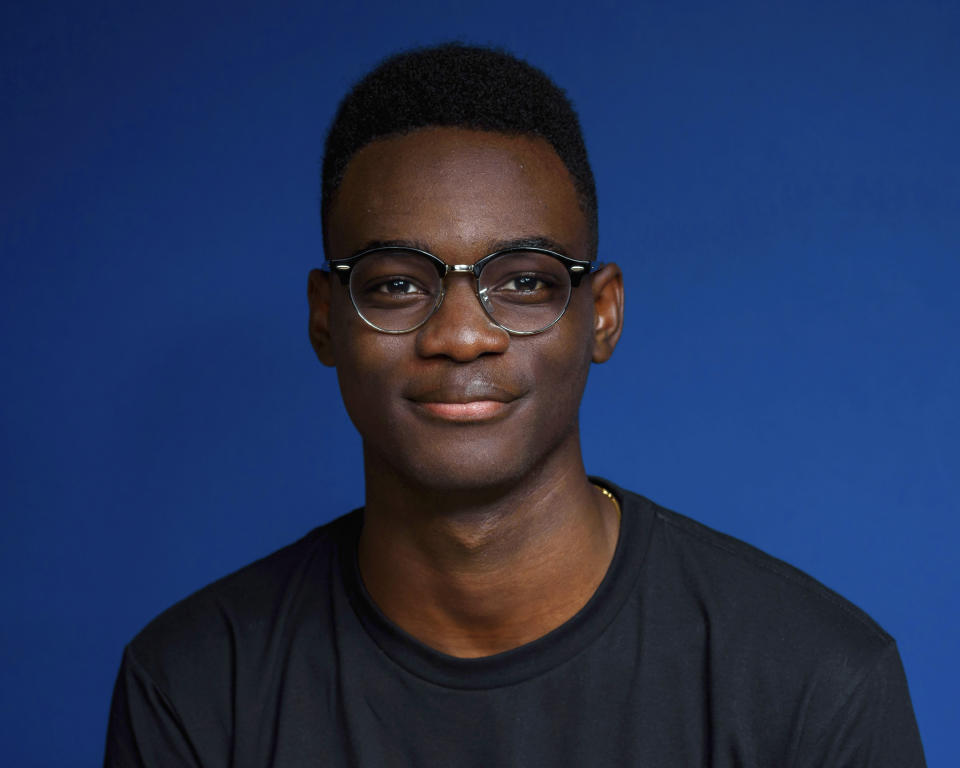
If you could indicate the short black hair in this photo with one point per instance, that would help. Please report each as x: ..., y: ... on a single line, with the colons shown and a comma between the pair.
x: 464, y: 86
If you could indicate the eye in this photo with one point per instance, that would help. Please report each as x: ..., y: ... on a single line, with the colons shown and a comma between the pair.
x: 397, y: 286
x: 524, y: 283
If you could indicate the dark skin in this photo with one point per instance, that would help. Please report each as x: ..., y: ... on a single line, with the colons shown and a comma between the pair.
x: 481, y: 530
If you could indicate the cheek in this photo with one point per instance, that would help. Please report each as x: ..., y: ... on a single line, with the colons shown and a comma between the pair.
x: 358, y: 350
x: 574, y: 343
x: 368, y: 392
x: 364, y: 360
x: 566, y: 380
x: 563, y: 363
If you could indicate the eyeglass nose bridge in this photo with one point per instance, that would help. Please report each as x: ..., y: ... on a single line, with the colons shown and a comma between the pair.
x: 481, y: 293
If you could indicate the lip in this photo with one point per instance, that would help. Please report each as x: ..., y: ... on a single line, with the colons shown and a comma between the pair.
x: 474, y: 401
x: 475, y: 410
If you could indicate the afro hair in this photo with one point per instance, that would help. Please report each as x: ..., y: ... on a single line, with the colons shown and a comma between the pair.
x: 462, y: 86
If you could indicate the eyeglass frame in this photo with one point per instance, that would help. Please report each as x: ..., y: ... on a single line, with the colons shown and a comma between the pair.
x: 577, y: 269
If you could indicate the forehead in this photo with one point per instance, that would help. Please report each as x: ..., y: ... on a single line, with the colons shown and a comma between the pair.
x: 457, y: 193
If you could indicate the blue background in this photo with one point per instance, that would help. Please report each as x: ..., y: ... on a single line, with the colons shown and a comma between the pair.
x: 779, y: 182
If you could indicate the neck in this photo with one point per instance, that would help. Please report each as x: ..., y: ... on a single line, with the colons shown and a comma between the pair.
x: 473, y: 572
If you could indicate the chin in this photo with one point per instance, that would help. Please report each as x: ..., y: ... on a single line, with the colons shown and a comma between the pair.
x: 474, y: 464
x: 466, y: 469
x: 477, y: 479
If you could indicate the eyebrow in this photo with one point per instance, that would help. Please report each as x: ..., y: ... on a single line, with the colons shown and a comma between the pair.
x: 535, y: 241
x: 529, y: 242
x: 371, y: 244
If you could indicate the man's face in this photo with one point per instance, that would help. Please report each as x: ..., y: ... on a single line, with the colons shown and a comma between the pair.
x: 458, y: 403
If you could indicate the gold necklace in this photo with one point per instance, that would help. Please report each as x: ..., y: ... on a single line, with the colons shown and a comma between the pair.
x: 616, y: 504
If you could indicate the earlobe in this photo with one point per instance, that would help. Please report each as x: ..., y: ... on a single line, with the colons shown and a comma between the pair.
x: 607, y: 311
x: 318, y: 297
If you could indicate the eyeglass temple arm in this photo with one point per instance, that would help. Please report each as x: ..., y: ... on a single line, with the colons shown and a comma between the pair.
x: 340, y: 269
x: 581, y: 268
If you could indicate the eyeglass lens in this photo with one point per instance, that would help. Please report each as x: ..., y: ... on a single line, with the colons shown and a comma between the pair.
x: 523, y: 291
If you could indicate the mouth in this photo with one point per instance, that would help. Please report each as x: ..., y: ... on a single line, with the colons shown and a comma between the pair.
x: 476, y: 401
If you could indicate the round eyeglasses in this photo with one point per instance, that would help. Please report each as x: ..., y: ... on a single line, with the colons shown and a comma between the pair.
x: 522, y: 290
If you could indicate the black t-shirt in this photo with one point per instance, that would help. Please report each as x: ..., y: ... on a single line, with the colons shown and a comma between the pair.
x: 696, y: 650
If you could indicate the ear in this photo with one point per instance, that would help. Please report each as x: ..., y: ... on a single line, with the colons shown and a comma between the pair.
x: 318, y: 296
x: 607, y: 285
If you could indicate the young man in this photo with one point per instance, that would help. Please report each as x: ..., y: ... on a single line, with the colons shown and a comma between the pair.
x: 490, y: 604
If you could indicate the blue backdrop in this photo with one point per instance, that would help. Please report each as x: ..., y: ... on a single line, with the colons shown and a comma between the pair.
x: 779, y: 182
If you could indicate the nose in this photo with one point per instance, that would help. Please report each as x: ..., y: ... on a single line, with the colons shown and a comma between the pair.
x: 460, y: 329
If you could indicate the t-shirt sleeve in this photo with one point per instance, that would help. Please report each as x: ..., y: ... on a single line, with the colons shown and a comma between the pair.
x: 875, y: 727
x: 144, y: 729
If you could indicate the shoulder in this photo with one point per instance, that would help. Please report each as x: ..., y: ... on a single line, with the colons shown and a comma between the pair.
x: 762, y: 621
x: 774, y: 643
x: 240, y: 611
x: 733, y: 577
